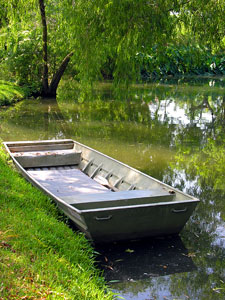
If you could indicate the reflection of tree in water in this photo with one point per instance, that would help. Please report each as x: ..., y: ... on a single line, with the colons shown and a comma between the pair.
x: 34, y: 119
x: 52, y: 114
x: 201, y: 173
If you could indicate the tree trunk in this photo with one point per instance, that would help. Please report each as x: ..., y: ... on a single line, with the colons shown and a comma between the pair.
x: 50, y: 91
x: 58, y: 75
x: 45, y: 47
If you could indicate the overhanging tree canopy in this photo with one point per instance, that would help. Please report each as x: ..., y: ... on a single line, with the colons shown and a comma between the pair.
x: 41, y: 36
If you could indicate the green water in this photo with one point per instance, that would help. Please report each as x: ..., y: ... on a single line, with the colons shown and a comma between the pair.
x: 173, y: 130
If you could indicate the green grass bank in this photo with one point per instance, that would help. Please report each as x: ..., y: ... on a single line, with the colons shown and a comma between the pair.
x: 40, y: 256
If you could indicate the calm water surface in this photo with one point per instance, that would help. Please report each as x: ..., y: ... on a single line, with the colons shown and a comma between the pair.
x: 172, y: 130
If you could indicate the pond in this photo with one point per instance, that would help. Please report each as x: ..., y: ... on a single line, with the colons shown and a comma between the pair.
x: 173, y: 130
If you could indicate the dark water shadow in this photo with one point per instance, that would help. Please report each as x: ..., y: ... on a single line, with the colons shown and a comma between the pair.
x: 137, y: 260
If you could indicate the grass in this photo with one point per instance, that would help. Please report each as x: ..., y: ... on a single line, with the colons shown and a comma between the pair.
x: 10, y: 93
x: 40, y: 256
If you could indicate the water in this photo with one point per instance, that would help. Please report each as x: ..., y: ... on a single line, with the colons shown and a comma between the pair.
x: 173, y: 130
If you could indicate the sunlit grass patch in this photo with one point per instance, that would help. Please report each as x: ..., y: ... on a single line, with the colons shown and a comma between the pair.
x: 18, y: 281
x: 40, y: 256
x: 10, y: 92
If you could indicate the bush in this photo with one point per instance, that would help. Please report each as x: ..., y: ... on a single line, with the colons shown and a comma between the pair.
x: 180, y: 60
x: 10, y: 93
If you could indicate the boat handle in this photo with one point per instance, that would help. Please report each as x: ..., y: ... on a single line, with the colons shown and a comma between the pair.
x: 179, y: 210
x: 103, y: 218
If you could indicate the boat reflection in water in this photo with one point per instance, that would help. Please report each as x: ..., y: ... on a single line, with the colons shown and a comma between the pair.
x: 138, y: 260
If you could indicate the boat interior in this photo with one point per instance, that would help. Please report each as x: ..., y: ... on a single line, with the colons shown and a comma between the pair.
x: 85, y: 178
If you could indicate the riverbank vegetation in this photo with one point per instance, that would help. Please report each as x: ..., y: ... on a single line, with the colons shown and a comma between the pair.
x: 42, y: 40
x: 40, y: 256
x: 11, y: 93
x: 181, y: 59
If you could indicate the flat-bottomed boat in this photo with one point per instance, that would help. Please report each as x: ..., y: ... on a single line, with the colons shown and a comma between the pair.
x: 106, y: 199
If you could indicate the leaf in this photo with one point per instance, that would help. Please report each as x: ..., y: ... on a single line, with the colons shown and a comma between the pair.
x: 129, y: 250
x: 191, y: 255
x: 118, y: 260
x: 109, y: 267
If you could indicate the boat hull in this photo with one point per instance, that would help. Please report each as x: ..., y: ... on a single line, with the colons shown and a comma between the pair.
x: 135, y: 222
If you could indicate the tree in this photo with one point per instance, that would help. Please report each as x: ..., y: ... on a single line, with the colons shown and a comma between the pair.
x: 89, y: 33
x: 30, y: 43
x: 50, y: 90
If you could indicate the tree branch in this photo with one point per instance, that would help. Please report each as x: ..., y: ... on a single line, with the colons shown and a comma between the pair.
x: 57, y: 76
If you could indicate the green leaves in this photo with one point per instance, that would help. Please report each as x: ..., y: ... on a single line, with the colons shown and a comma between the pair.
x: 9, y: 92
x: 105, y: 30
x: 206, y: 20
x: 180, y: 59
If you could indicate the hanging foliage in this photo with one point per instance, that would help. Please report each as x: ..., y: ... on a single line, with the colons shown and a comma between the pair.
x: 91, y: 33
